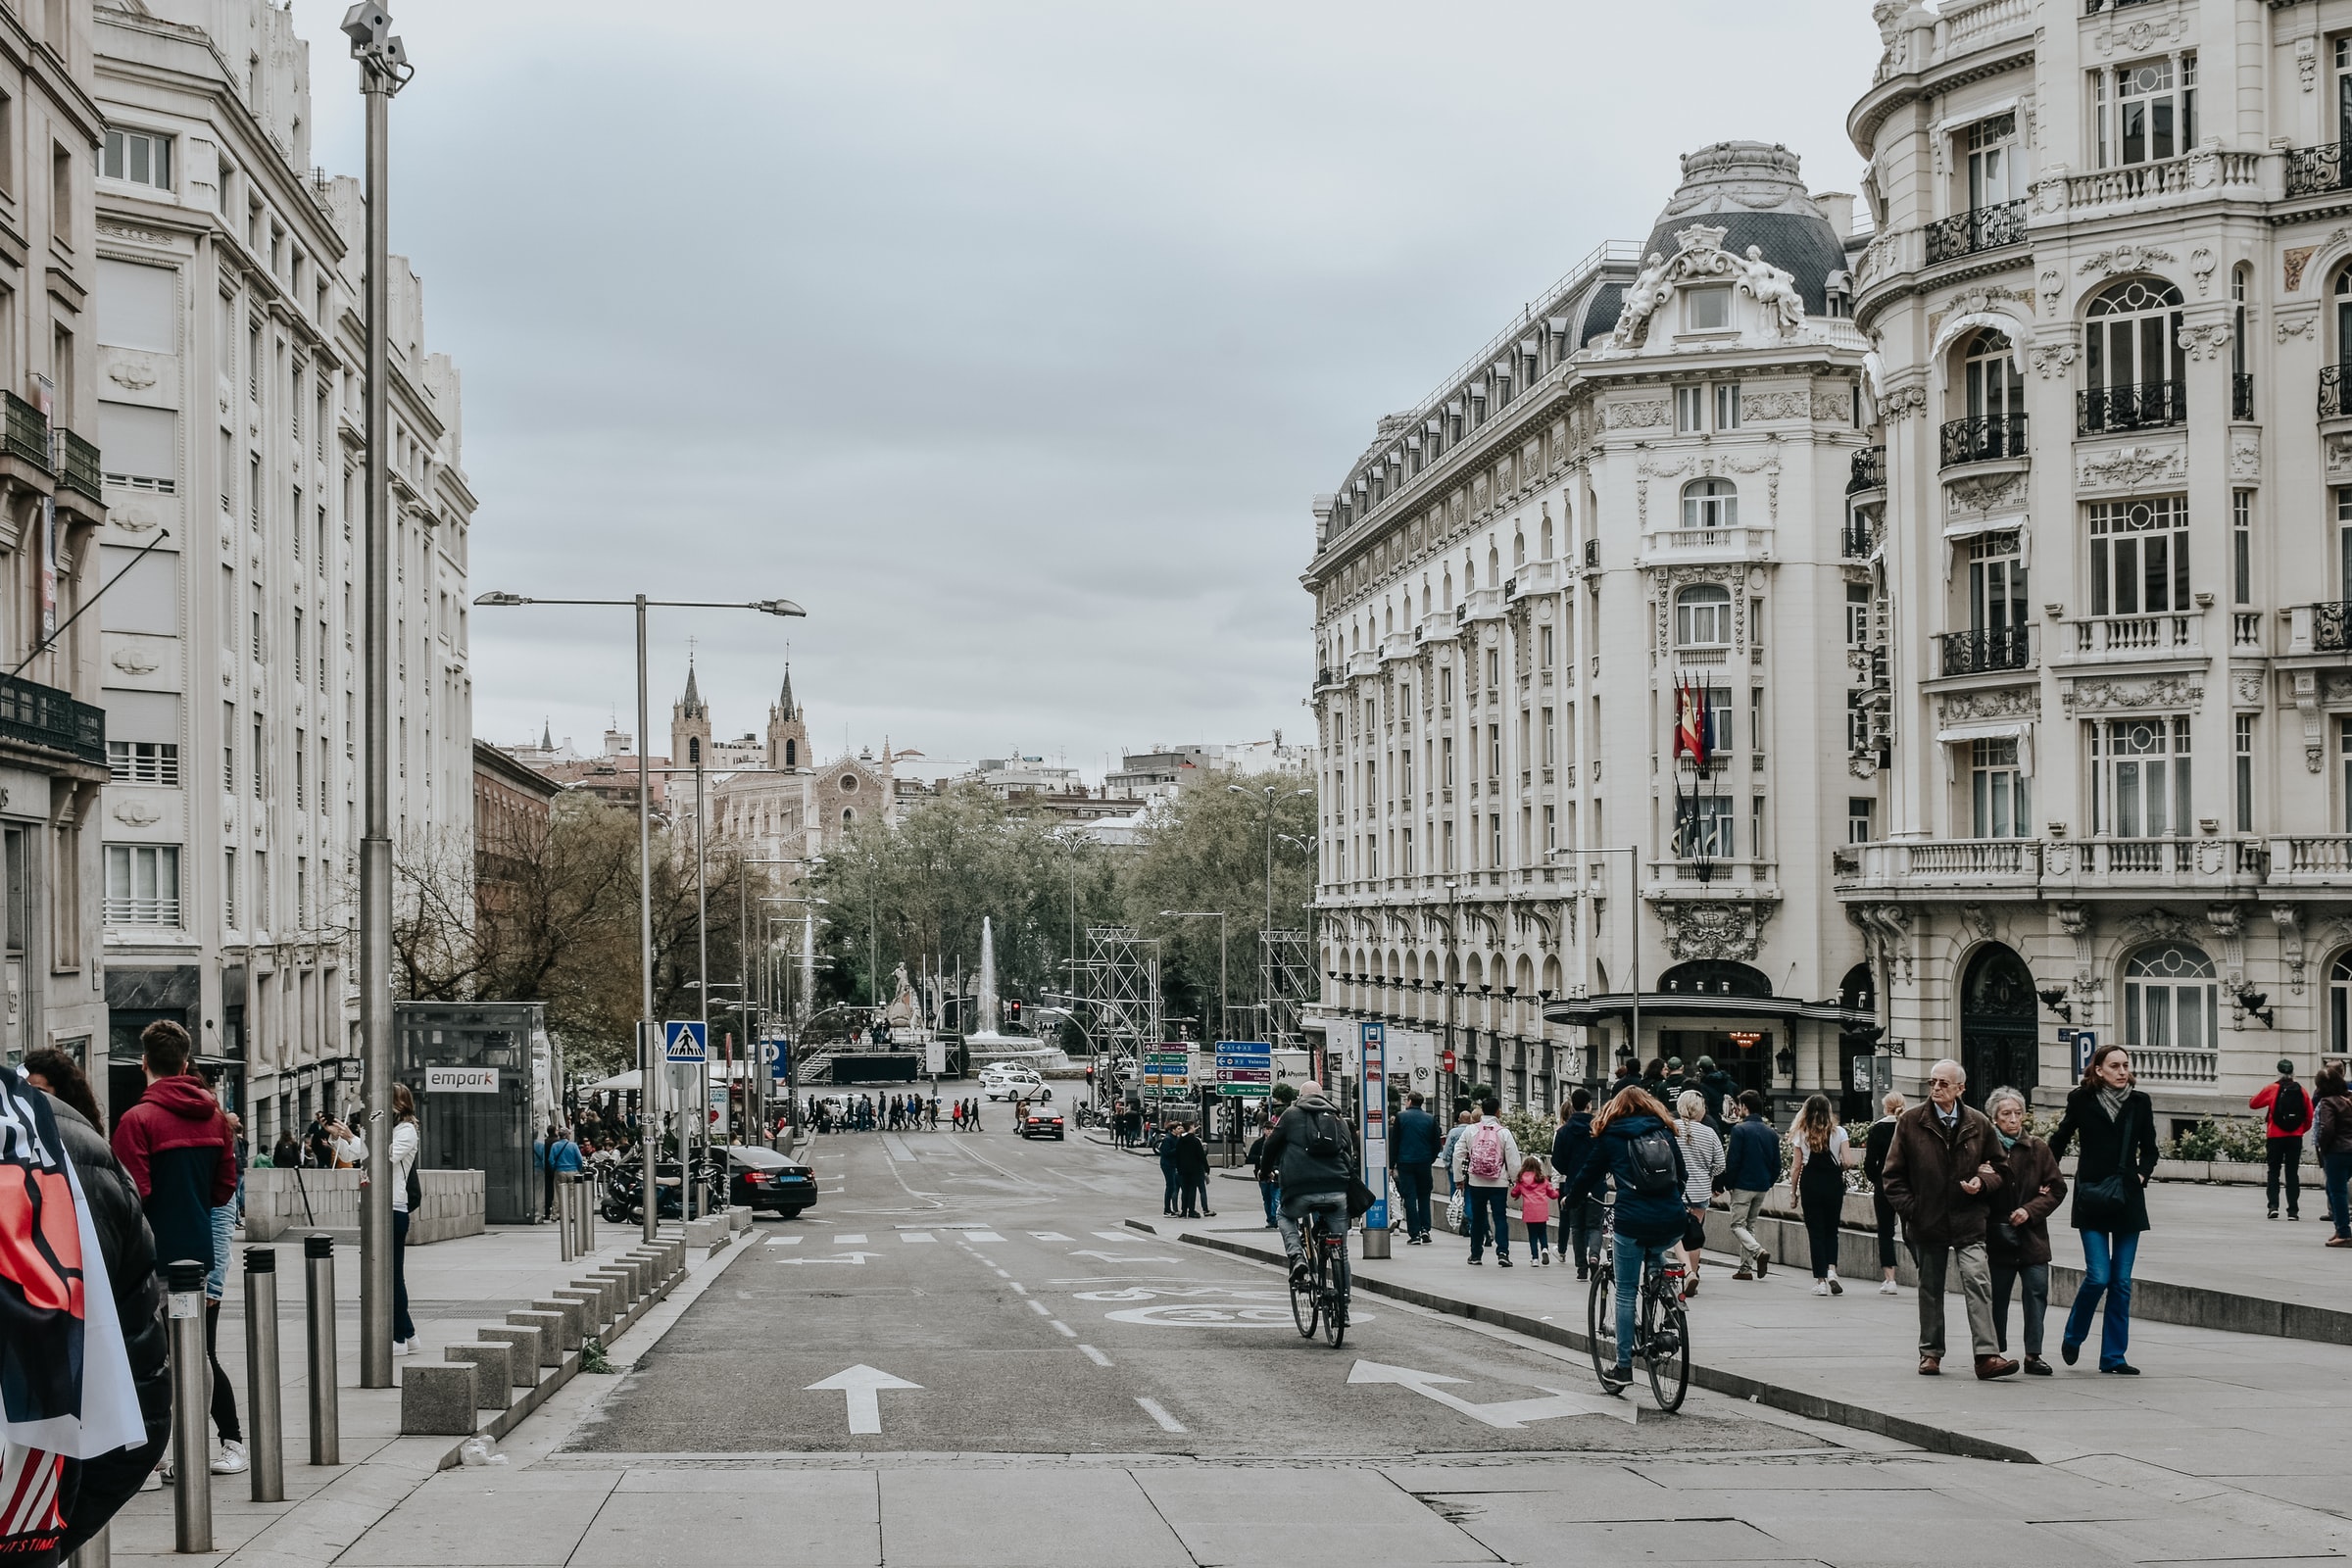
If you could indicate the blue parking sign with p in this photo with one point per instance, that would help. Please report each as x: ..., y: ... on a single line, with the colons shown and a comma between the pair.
x: 685, y: 1042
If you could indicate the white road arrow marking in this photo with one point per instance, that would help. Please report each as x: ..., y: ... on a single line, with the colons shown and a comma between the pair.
x: 862, y: 1391
x: 858, y: 1258
x: 1123, y: 1257
x: 1511, y: 1414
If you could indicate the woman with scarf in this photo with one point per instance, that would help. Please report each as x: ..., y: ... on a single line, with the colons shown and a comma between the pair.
x: 2017, y: 1244
x: 2117, y: 1125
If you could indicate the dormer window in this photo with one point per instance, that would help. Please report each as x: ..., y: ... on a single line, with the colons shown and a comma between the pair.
x: 1709, y: 309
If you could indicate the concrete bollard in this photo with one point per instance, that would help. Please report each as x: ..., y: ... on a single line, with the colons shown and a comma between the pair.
x: 494, y: 1365
x: 191, y: 1399
x: 267, y: 1453
x: 592, y: 1309
x: 574, y: 1326
x: 550, y: 1326
x: 524, y: 1364
x: 438, y: 1399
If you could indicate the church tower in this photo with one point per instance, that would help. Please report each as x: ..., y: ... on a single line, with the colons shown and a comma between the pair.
x: 787, y: 733
x: 690, y: 726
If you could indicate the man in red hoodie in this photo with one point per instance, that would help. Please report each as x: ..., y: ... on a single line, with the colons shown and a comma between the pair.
x: 177, y: 1150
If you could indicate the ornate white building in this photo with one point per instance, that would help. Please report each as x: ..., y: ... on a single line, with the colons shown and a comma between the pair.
x: 1629, y: 508
x: 2110, y: 300
x: 228, y: 299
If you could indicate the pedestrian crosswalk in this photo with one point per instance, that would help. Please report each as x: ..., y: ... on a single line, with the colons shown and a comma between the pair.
x: 855, y: 1238
x: 1049, y: 1236
x: 918, y: 1235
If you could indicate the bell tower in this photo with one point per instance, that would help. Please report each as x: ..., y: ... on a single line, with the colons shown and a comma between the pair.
x: 787, y: 733
x: 690, y: 726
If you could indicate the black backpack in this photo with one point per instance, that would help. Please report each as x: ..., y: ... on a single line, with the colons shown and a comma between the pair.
x: 1652, y: 1158
x: 2291, y: 1112
x: 1323, y: 1138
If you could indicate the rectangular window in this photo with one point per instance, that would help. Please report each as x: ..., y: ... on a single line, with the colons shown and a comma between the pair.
x: 1689, y: 409
x: 1494, y: 669
x: 1448, y: 827
x: 1494, y: 840
x: 1551, y: 827
x: 1996, y: 583
x: 1998, y: 791
x: 2344, y: 748
x: 142, y: 884
x: 1550, y: 741
x: 2140, y: 777
x: 2242, y: 740
x: 1857, y: 614
x: 1989, y: 167
x: 1755, y: 718
x: 1727, y: 405
x: 253, y: 491
x: 140, y: 157
x: 1543, y: 641
x: 298, y: 642
x: 1709, y: 308
x: 302, y: 769
x: 257, y: 754
x: 1718, y: 720
x: 1859, y: 809
x: 2145, y: 112
x: 1410, y: 869
x: 1858, y: 723
x: 1493, y: 751
x: 262, y: 910
x: 1703, y: 828
x: 2139, y: 556
x: 2241, y: 544
x: 229, y: 889
x: 142, y: 761
x: 61, y: 196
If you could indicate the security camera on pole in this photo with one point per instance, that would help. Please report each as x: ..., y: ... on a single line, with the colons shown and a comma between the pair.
x: 383, y: 71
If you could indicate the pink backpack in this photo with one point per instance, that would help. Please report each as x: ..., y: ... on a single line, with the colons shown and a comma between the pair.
x: 1485, y: 1152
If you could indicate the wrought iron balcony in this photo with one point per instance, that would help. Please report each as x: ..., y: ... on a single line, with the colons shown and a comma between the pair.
x: 1980, y: 228
x: 1985, y: 438
x: 44, y: 717
x: 1853, y: 540
x: 25, y: 433
x: 2315, y: 171
x: 2241, y: 397
x: 1869, y: 471
x: 1978, y: 653
x: 2331, y: 627
x: 2335, y: 395
x: 80, y: 473
x: 2138, y: 407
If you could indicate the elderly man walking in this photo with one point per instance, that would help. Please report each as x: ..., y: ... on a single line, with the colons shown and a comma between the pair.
x: 1942, y: 1168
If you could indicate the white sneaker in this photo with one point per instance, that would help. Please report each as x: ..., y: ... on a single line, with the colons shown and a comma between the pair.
x: 153, y: 1481
x: 1821, y: 1287
x: 1887, y: 1288
x: 1836, y: 1285
x: 230, y: 1460
x: 404, y: 1346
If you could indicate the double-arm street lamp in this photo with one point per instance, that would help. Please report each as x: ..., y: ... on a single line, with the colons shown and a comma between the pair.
x: 648, y: 1098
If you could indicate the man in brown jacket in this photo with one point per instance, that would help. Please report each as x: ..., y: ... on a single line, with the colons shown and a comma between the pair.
x: 1940, y: 1174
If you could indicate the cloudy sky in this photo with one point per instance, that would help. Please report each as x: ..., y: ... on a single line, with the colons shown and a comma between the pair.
x: 1009, y: 337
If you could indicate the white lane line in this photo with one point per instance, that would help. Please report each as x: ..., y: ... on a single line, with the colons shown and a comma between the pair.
x: 849, y: 1241
x: 1040, y: 1307
x: 1095, y: 1356
x: 1159, y: 1413
x: 1065, y: 1330
x: 918, y: 1235
x: 1001, y: 1274
x: 1018, y: 1286
x: 982, y: 1236
x: 1119, y: 1235
x: 783, y: 1241
x: 1049, y: 1236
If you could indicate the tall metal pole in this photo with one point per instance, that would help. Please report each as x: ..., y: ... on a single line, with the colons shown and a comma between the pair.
x: 377, y: 83
x: 702, y: 940
x: 649, y: 1096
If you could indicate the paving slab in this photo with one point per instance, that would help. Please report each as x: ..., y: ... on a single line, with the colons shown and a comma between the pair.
x: 661, y: 1518
x: 488, y: 1518
x: 1024, y: 1519
x: 1244, y: 1518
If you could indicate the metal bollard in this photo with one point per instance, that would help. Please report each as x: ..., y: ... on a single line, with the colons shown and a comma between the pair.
x: 318, y: 1259
x: 96, y: 1552
x: 268, y: 1451
x: 567, y: 1232
x: 587, y: 1191
x: 192, y: 1410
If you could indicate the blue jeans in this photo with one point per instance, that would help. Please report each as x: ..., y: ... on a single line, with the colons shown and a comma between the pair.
x: 2106, y: 1271
x: 2337, y: 1168
x: 1630, y: 1257
x: 1488, y: 1220
x: 1271, y: 1194
x: 1332, y: 1206
x: 1413, y: 1187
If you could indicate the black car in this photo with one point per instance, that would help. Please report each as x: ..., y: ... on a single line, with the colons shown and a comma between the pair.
x: 760, y: 1178
x: 1040, y: 1120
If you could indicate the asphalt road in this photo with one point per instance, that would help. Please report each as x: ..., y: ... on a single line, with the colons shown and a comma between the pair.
x: 995, y: 1275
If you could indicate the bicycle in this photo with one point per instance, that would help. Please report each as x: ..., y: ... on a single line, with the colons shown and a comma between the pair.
x: 1662, y: 1329
x: 1321, y: 1298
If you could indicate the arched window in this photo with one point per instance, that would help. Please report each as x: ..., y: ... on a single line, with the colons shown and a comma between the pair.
x: 1518, y: 550
x: 1547, y: 536
x: 1994, y: 396
x: 1710, y: 503
x: 2339, y: 1006
x: 2171, y: 1011
x: 848, y: 817
x: 792, y: 754
x: 1702, y: 616
x: 2133, y: 358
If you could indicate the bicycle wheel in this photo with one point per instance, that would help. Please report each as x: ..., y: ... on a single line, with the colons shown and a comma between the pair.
x: 1601, y: 1322
x: 1665, y: 1343
x: 1335, y: 1304
x: 1306, y: 1294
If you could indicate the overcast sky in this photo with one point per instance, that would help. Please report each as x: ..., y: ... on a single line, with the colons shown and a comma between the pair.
x: 1011, y: 339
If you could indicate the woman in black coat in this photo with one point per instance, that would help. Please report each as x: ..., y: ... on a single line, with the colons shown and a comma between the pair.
x: 1191, y: 1164
x: 2117, y: 1126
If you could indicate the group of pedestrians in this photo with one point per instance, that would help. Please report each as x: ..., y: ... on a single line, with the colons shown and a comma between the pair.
x: 891, y: 1113
x: 1184, y: 1168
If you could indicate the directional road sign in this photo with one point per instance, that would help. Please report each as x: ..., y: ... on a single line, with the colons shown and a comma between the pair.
x: 1244, y: 1068
x: 685, y: 1042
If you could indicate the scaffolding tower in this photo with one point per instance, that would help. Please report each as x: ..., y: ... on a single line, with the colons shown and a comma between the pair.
x: 1119, y: 981
x: 1287, y: 982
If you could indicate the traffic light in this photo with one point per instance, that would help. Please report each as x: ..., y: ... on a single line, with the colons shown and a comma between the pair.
x: 1013, y: 1009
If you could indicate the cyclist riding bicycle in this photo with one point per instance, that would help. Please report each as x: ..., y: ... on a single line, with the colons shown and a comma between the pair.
x: 1314, y: 1148
x: 1635, y: 1144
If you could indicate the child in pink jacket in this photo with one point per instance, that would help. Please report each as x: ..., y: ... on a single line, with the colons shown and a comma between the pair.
x: 1534, y: 1195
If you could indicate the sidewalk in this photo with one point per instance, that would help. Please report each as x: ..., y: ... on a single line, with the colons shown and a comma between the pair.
x: 454, y: 1287
x: 2259, y: 1415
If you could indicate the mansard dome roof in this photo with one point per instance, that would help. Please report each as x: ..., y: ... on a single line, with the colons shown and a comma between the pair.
x: 1753, y: 190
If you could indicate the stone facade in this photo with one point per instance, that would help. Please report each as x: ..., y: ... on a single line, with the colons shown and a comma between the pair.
x: 230, y: 354
x: 2111, y: 697
x: 1629, y: 511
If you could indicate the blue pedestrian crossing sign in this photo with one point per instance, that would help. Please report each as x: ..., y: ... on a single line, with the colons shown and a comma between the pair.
x: 685, y: 1042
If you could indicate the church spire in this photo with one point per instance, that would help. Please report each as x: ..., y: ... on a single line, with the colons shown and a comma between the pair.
x: 786, y: 709
x: 691, y: 706
x: 547, y: 735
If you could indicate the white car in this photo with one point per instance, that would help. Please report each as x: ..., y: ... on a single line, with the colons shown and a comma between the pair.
x: 1006, y: 1082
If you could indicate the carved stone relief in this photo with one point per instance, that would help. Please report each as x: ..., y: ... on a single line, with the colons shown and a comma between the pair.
x: 2131, y: 468
x: 2111, y: 696
x: 1714, y: 928
x: 2000, y: 702
x: 2128, y: 258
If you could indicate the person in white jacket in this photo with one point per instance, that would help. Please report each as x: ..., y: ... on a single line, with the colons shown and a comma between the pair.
x: 403, y: 1159
x: 1484, y: 1163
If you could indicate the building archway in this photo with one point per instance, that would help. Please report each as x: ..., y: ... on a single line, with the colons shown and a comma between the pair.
x: 2000, y: 1038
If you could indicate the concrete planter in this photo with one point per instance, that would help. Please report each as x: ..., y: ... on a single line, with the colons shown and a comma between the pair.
x: 300, y: 1201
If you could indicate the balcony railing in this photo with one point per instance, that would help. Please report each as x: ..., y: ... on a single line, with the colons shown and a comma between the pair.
x: 2177, y: 1067
x: 42, y: 716
x: 2241, y: 397
x: 1853, y: 540
x: 2329, y: 855
x: 2140, y: 857
x: 82, y: 472
x: 2091, y: 8
x: 1980, y: 228
x: 1985, y: 438
x: 1869, y: 471
x: 2331, y: 627
x: 2335, y: 392
x: 27, y: 431
x: 2135, y: 634
x: 2201, y: 173
x: 1978, y: 653
x: 2130, y: 408
x: 142, y: 911
x: 1976, y: 862
x: 2315, y: 170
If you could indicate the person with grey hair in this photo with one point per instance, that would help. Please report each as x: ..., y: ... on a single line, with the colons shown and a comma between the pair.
x: 2017, y: 1244
x: 1703, y: 1160
x: 1942, y: 1173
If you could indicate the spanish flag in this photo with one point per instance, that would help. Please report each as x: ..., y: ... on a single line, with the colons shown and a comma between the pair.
x: 1690, y: 722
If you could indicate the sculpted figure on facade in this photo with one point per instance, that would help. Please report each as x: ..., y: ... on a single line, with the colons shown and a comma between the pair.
x: 1775, y: 290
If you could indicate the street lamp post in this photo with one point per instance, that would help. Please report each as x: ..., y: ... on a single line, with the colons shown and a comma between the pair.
x: 1218, y: 915
x: 383, y: 71
x: 1265, y: 933
x: 648, y: 1097
x: 1633, y: 854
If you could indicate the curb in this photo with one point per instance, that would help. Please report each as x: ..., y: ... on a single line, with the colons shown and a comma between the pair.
x: 1795, y: 1401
